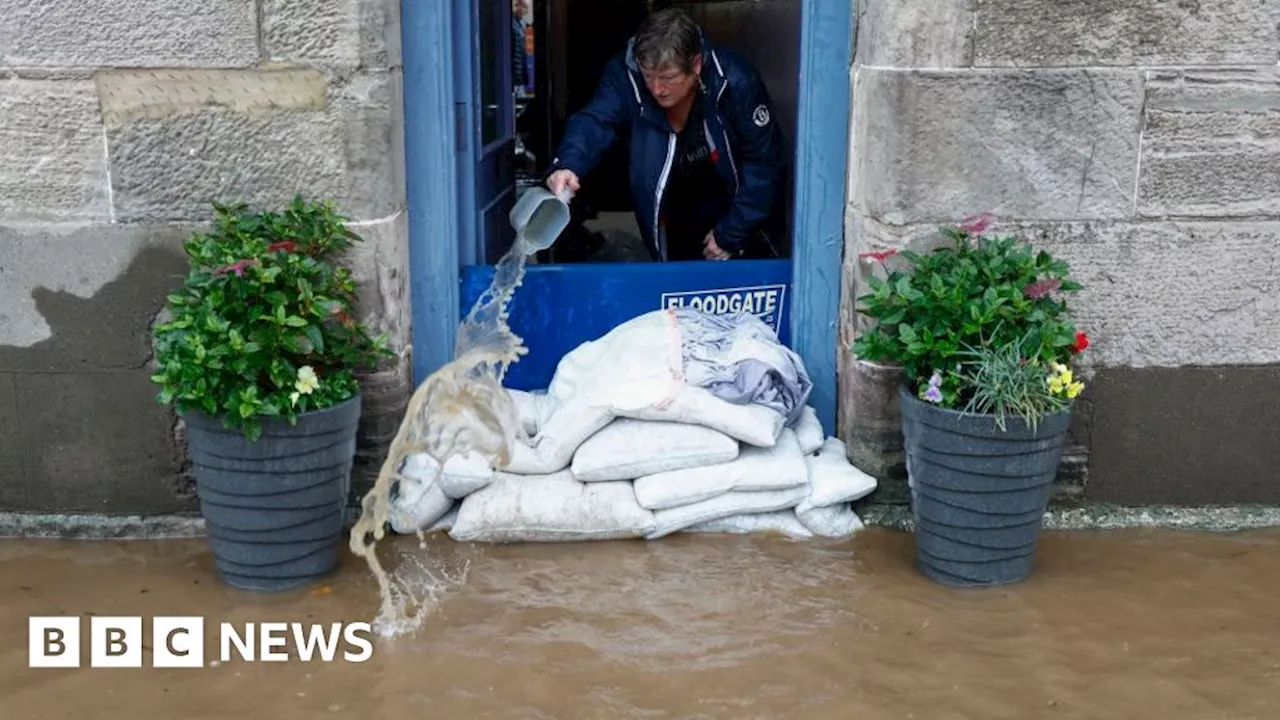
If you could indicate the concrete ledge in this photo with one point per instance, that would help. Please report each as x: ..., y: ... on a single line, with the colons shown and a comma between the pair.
x: 1095, y: 516
x: 1104, y: 516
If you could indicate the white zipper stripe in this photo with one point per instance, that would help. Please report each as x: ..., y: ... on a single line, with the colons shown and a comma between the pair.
x: 662, y: 185
x: 635, y: 89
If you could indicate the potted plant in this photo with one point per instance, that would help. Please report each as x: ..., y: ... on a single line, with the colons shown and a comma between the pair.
x: 258, y: 357
x: 981, y: 328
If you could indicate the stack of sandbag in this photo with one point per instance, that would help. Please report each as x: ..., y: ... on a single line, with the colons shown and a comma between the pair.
x: 646, y: 432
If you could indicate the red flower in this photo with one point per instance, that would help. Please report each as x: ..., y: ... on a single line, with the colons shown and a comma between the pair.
x: 1082, y: 342
x: 237, y: 267
x: 285, y: 245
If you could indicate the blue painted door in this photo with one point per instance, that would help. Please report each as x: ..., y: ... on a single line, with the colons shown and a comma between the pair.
x: 486, y: 162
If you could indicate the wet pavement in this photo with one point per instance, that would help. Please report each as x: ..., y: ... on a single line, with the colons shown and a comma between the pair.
x: 1118, y: 624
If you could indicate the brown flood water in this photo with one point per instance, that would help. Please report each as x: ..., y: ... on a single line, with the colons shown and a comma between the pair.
x: 1132, y: 624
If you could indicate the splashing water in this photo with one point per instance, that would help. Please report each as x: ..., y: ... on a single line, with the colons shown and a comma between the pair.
x: 460, y: 408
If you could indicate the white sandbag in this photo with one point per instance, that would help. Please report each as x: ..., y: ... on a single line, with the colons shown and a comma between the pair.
x: 580, y: 418
x: 550, y: 508
x: 463, y: 474
x: 445, y: 523
x: 752, y: 424
x: 553, y: 447
x: 809, y: 431
x: 830, y: 521
x: 723, y: 506
x: 627, y: 449
x: 777, y: 468
x: 643, y: 349
x: 781, y: 522
x: 419, y: 501
x: 529, y: 408
x: 833, y: 479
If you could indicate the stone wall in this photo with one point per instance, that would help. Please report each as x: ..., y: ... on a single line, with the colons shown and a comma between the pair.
x: 1140, y: 140
x: 120, y: 124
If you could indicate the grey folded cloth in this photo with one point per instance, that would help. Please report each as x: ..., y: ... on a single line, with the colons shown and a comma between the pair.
x: 739, y: 359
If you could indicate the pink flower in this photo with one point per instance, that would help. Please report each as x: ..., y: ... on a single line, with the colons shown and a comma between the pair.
x: 235, y: 267
x: 878, y: 256
x: 1041, y: 288
x: 976, y: 223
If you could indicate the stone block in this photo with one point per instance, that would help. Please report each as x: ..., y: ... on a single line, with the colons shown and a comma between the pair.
x: 13, y: 480
x: 380, y: 267
x: 83, y: 298
x: 1211, y: 144
x: 128, y: 33
x: 1126, y: 32
x: 53, y: 163
x: 340, y: 34
x: 172, y: 168
x: 1045, y: 144
x: 97, y: 442
x: 1161, y: 293
x: 920, y: 34
x: 1185, y: 436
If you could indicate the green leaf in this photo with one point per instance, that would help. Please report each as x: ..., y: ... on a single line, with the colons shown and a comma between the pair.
x: 295, y: 321
x: 316, y: 337
x: 906, y: 334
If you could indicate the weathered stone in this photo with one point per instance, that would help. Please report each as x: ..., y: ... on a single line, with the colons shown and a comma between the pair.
x: 96, y: 442
x: 1186, y: 436
x: 52, y: 153
x: 345, y: 34
x: 13, y: 480
x: 380, y: 266
x: 1126, y: 32
x: 128, y: 33
x: 1211, y: 144
x: 131, y: 95
x: 1048, y: 144
x: 77, y: 298
x: 1163, y: 293
x: 175, y: 167
x: 919, y: 34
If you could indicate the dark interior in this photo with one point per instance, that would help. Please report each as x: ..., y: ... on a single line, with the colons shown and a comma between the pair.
x: 572, y: 41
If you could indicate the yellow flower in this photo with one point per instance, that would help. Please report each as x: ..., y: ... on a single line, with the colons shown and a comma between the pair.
x: 1074, y: 389
x: 1059, y: 368
x: 1055, y: 384
x: 307, y: 380
x: 293, y: 397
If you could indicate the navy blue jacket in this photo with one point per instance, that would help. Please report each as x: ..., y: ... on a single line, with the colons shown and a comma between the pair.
x: 741, y: 130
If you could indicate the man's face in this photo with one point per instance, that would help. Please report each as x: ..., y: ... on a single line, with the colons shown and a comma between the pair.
x: 520, y: 8
x: 670, y: 84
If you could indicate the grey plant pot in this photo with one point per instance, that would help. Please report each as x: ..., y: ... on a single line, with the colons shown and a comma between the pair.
x: 275, y: 508
x: 979, y: 493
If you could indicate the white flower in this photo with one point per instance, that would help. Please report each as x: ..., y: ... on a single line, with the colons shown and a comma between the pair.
x: 307, y: 380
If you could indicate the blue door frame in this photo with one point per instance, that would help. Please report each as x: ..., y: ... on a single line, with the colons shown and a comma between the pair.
x: 437, y: 121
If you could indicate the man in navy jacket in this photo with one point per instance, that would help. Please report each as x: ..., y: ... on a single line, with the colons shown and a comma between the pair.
x: 706, y: 155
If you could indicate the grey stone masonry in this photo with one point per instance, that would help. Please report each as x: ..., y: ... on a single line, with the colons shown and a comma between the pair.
x: 121, y: 124
x: 1137, y: 139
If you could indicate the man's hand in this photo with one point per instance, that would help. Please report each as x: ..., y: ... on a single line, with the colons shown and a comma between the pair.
x: 562, y: 179
x: 712, y: 251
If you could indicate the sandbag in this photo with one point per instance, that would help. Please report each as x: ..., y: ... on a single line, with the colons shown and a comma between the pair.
x: 550, y: 508
x: 809, y: 431
x: 833, y: 479
x: 627, y: 449
x: 529, y: 408
x: 830, y: 521
x: 781, y: 522
x: 418, y: 501
x: 777, y: 468
x: 580, y: 418
x: 722, y: 506
x: 445, y: 523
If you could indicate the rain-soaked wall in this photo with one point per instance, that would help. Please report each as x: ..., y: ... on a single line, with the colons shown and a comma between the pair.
x: 120, y: 123
x: 1140, y: 141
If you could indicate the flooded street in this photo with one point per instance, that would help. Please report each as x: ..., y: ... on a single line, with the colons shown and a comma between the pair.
x: 1123, y: 624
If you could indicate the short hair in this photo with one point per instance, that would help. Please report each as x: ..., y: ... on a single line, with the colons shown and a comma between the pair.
x: 668, y: 37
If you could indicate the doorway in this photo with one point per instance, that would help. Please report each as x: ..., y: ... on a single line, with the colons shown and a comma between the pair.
x: 502, y: 120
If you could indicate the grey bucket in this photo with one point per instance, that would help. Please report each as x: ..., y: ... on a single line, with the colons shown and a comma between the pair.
x: 275, y: 509
x: 979, y: 493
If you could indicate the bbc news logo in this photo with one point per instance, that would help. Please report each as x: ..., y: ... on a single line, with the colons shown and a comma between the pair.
x: 179, y: 642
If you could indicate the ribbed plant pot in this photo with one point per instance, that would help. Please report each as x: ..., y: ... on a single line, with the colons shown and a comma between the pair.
x: 979, y: 493
x: 274, y: 509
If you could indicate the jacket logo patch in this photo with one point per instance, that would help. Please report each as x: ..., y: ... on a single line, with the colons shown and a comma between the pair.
x: 761, y: 116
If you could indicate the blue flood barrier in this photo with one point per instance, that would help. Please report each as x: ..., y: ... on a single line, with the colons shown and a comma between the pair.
x: 559, y: 307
